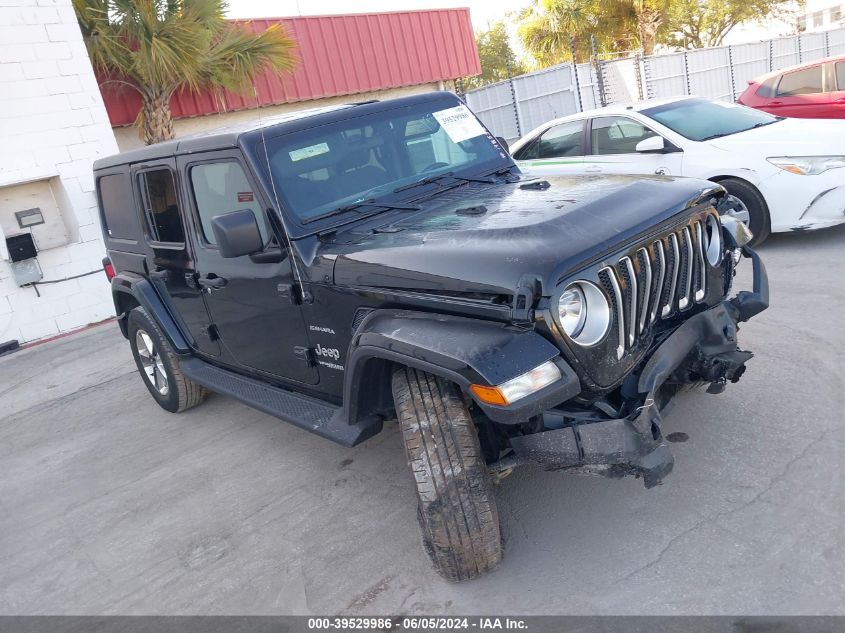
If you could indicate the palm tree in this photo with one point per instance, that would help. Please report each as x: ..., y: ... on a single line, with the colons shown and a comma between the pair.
x: 160, y: 46
x: 649, y: 15
x: 618, y: 25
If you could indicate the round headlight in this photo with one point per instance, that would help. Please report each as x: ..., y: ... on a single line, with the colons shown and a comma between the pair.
x: 713, y: 238
x: 584, y: 313
x: 572, y: 310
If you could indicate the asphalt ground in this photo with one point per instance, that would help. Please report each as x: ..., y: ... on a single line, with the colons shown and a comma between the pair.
x: 110, y: 505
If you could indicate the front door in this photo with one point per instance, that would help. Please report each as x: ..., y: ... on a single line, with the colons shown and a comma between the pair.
x: 613, y: 142
x: 170, y: 265
x: 249, y: 297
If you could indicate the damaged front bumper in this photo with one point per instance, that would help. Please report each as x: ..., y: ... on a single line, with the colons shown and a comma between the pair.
x: 703, y: 349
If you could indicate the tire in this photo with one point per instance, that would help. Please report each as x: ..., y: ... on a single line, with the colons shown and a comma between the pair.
x: 760, y: 223
x: 456, y: 507
x: 159, y: 366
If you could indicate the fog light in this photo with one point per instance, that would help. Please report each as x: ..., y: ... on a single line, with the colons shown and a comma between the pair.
x: 517, y: 388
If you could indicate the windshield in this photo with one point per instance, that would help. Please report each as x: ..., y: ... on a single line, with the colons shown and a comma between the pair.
x: 332, y: 167
x: 700, y: 120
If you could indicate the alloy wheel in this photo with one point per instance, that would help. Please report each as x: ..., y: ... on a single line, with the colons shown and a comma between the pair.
x: 151, y: 362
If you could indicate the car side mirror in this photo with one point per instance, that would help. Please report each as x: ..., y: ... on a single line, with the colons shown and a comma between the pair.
x: 504, y: 144
x: 652, y: 145
x: 237, y: 233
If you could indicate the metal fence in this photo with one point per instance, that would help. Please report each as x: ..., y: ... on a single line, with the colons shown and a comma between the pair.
x: 515, y: 106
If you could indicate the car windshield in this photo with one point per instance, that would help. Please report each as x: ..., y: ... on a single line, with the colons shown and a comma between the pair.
x: 350, y: 164
x: 702, y: 120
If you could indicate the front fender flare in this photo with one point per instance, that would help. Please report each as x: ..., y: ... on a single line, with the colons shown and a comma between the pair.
x: 464, y: 350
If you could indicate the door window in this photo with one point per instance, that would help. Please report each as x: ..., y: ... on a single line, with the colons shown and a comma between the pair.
x: 161, y: 207
x: 840, y: 75
x: 617, y: 135
x: 222, y: 188
x: 801, y: 82
x: 560, y: 140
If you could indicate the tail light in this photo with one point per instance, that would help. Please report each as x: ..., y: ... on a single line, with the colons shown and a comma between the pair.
x: 108, y: 268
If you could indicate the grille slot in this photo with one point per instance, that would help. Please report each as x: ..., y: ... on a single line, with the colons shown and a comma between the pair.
x: 629, y: 295
x: 686, y: 269
x: 665, y: 276
x: 607, y: 276
x: 660, y: 254
x: 701, y: 276
x: 644, y: 275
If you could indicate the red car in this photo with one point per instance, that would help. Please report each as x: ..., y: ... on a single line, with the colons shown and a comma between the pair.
x: 815, y: 90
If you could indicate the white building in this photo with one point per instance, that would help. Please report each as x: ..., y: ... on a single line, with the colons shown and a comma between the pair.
x: 822, y: 15
x: 53, y: 125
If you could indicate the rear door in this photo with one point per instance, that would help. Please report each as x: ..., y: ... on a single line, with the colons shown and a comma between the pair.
x: 170, y: 264
x: 249, y: 297
x: 612, y: 148
x: 558, y: 150
x: 800, y: 93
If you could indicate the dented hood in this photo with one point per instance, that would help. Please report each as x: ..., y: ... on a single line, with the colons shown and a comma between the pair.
x: 452, y: 245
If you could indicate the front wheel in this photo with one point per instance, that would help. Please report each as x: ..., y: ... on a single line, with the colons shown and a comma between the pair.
x: 456, y: 507
x: 751, y: 209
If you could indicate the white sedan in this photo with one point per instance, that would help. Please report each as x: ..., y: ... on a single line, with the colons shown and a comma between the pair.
x: 787, y: 174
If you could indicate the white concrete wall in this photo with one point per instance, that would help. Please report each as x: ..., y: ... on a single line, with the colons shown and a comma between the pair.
x: 127, y: 137
x: 53, y: 125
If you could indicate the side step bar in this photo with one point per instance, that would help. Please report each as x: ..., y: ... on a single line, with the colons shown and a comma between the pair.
x: 322, y: 418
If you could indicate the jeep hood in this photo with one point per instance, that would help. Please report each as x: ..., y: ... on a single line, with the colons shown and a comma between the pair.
x: 483, y: 238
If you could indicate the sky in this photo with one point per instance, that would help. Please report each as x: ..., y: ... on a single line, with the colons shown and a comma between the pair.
x: 481, y: 11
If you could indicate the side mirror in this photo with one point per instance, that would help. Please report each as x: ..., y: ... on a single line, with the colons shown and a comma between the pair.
x: 237, y: 233
x: 652, y: 145
x: 504, y: 144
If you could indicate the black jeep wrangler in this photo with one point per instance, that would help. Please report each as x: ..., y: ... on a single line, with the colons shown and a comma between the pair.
x: 340, y: 267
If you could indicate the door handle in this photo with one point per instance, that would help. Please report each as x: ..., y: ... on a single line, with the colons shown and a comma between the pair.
x: 775, y: 103
x: 211, y: 282
x: 593, y: 170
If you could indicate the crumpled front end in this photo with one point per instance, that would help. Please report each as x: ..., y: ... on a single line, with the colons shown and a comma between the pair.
x: 628, y: 440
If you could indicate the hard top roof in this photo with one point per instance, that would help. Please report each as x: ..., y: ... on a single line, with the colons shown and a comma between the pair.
x: 228, y: 136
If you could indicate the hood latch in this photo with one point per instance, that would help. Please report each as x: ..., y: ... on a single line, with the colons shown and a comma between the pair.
x: 528, y: 293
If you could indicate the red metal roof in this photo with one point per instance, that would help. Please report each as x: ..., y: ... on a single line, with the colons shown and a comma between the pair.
x: 339, y: 55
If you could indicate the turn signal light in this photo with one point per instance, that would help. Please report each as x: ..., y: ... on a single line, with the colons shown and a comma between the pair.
x: 517, y: 388
x: 489, y: 395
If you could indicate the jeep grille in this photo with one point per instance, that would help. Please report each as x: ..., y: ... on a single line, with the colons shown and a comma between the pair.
x: 658, y: 280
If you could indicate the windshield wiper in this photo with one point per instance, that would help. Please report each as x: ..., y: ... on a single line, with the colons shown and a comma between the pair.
x: 501, y: 171
x: 432, y: 179
x: 719, y: 135
x: 753, y: 127
x: 357, y: 205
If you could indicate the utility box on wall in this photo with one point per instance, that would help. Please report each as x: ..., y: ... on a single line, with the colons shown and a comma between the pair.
x: 22, y: 258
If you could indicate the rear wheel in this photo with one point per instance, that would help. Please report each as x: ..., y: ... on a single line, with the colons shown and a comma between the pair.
x: 456, y: 507
x: 751, y: 209
x: 159, y: 366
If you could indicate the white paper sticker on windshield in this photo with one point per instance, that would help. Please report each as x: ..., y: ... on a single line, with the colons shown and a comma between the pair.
x: 459, y: 123
x: 309, y: 152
